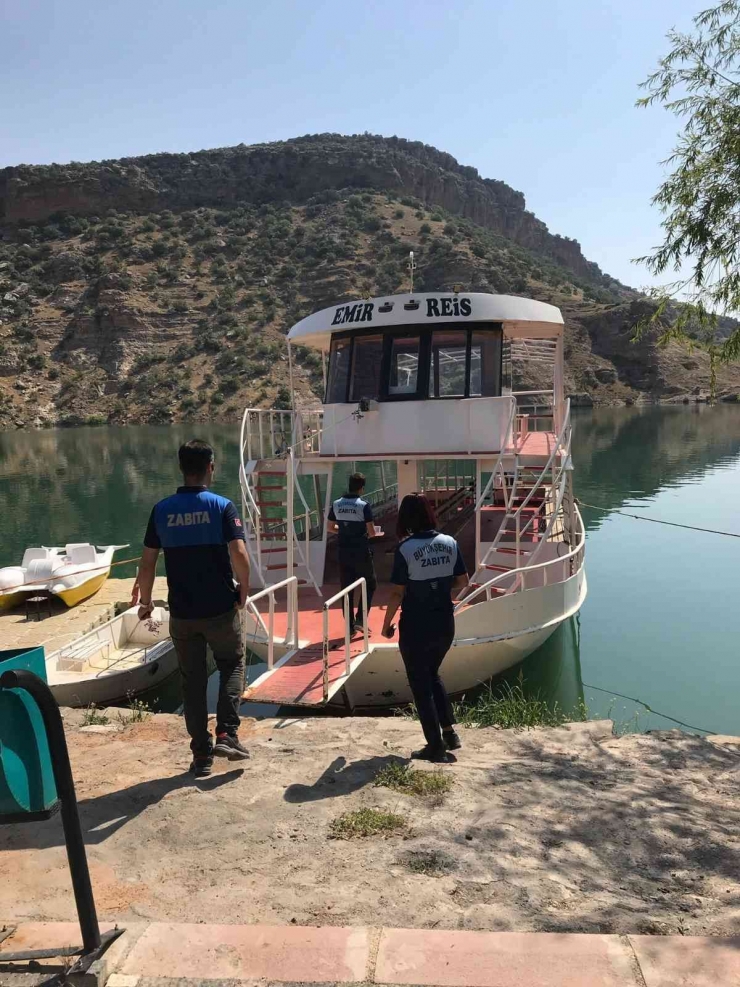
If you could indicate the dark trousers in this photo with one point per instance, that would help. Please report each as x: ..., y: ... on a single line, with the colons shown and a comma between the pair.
x: 423, y: 655
x: 190, y: 637
x: 352, y: 568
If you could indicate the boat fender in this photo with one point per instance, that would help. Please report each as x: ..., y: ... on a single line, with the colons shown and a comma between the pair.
x: 154, y: 668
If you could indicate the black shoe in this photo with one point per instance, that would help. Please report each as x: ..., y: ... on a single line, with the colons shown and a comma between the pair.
x: 201, y: 765
x: 451, y: 739
x: 437, y: 755
x: 229, y: 746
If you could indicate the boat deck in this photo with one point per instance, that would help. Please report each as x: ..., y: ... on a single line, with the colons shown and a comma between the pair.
x: 534, y: 446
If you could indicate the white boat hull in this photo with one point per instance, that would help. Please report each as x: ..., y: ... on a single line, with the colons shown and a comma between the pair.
x: 112, y: 688
x: 114, y: 662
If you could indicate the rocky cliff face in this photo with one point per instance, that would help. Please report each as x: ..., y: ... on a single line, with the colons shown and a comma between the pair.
x: 292, y: 170
x: 160, y: 289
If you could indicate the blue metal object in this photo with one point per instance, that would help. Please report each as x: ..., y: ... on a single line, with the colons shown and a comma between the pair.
x: 27, y: 787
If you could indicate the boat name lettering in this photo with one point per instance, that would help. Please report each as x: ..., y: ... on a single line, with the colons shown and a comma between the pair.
x: 433, y: 546
x: 362, y: 312
x: 194, y: 517
x: 448, y: 306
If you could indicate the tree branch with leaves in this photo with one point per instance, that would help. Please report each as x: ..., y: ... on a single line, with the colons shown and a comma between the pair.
x: 699, y: 82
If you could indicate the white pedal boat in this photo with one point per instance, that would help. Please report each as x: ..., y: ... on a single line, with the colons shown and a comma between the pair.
x: 72, y: 573
x: 114, y: 662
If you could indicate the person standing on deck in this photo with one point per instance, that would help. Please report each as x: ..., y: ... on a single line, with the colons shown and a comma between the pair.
x: 203, y: 541
x: 352, y: 518
x: 428, y: 571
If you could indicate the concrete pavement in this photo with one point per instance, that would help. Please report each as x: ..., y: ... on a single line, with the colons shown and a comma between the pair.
x: 159, y: 954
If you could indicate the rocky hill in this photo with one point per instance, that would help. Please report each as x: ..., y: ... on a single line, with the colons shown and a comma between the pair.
x: 160, y: 288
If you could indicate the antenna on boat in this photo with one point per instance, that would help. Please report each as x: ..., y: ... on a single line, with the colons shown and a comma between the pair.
x: 412, y: 268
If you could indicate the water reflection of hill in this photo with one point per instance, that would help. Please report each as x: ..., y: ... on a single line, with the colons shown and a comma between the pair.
x: 95, y: 484
x: 625, y: 453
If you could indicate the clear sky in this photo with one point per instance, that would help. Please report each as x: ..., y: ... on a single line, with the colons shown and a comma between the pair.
x: 539, y: 93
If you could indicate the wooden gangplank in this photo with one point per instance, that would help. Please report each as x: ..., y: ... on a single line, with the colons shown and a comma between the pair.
x: 298, y: 678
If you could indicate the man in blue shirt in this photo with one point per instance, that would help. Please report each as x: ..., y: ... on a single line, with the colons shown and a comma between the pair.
x: 352, y: 518
x: 203, y: 542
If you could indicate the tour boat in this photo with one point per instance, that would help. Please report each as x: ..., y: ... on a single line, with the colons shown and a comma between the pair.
x: 114, y: 662
x: 72, y: 573
x: 458, y: 395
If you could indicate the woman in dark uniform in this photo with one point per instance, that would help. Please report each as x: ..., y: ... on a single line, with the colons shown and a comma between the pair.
x: 428, y: 571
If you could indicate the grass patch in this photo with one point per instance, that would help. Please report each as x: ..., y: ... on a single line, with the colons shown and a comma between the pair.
x: 431, y: 863
x: 403, y: 778
x: 366, y: 822
x: 509, y: 707
x: 92, y: 717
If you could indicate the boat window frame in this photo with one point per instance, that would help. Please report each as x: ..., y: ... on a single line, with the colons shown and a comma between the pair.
x: 424, y: 333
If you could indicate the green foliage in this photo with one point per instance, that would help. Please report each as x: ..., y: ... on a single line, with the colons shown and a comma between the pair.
x: 366, y: 822
x: 137, y: 711
x: 403, y: 778
x: 92, y: 717
x: 698, y: 81
x: 510, y: 707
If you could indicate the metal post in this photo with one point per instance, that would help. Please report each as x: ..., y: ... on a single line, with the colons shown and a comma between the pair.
x: 366, y: 642
x: 294, y: 592
x: 478, y: 509
x: 346, y: 632
x: 270, y: 630
x: 78, y: 869
x: 325, y: 675
x: 290, y: 525
x: 290, y: 377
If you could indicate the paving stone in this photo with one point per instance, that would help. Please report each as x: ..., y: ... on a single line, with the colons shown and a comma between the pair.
x: 688, y: 961
x: 251, y: 952
x: 503, y: 959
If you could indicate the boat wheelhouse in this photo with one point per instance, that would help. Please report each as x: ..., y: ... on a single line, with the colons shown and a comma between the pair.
x: 456, y: 395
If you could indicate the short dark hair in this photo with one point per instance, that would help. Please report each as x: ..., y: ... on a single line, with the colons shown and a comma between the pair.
x: 415, y: 514
x: 195, y: 457
x: 356, y: 482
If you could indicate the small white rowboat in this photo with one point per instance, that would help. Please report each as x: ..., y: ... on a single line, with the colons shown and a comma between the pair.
x: 114, y: 662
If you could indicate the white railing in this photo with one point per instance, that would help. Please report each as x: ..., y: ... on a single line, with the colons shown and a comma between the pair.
x: 574, y: 557
x: 268, y: 432
x: 252, y: 519
x: 265, y: 433
x: 291, y: 632
x: 553, y: 472
x: 306, y: 434
x: 347, y: 628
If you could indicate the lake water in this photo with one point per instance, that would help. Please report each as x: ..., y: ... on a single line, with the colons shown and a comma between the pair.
x: 659, y: 623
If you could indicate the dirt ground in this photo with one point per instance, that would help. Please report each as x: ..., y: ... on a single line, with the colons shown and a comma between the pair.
x: 568, y: 829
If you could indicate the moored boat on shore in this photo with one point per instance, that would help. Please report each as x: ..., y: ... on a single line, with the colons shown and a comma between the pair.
x: 113, y: 662
x: 73, y: 573
x: 424, y: 390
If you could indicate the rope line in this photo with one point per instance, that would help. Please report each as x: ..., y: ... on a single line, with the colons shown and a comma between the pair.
x: 655, y: 520
x: 655, y: 712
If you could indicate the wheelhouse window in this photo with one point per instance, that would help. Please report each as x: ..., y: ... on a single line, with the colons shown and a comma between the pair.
x: 449, y: 363
x: 485, y: 364
x: 465, y: 363
x: 367, y: 357
x: 336, y: 388
x: 403, y: 377
x: 416, y: 364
